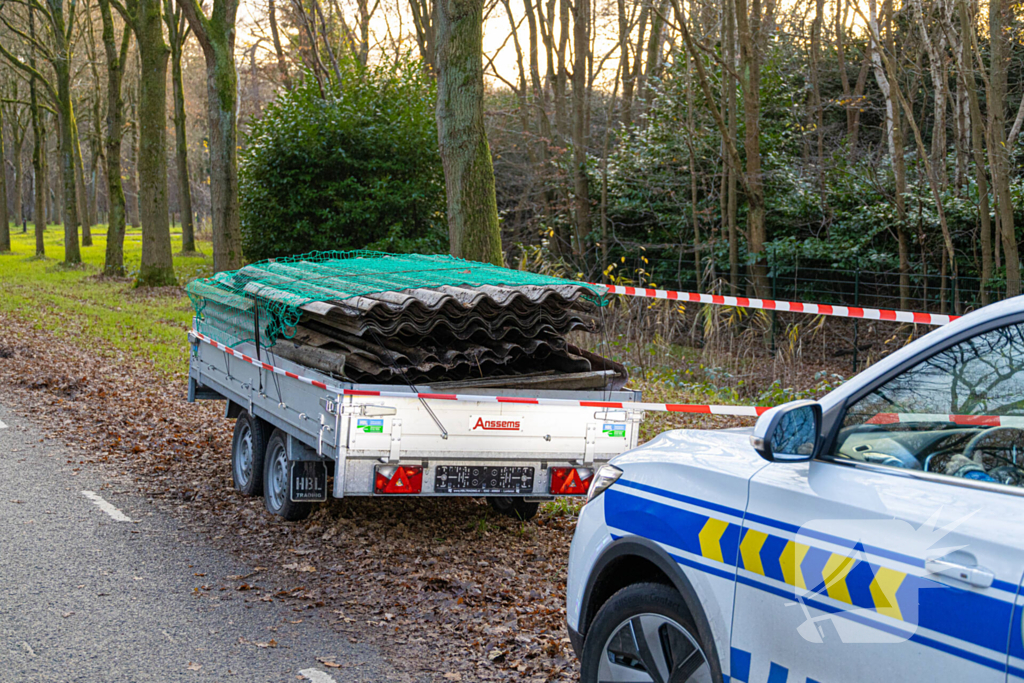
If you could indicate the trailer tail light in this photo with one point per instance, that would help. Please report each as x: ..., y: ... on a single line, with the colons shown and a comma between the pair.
x: 570, y: 481
x: 401, y: 479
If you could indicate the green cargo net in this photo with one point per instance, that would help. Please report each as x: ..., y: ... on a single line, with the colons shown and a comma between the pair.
x: 268, y: 295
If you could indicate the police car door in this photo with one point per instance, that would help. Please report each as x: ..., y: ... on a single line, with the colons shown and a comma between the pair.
x: 898, y: 553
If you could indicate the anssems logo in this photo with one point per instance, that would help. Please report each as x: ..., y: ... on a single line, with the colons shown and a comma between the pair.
x: 484, y: 423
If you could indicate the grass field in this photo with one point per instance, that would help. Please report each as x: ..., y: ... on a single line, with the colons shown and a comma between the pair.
x: 77, y: 303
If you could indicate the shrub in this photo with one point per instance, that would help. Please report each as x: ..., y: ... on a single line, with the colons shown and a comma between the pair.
x: 355, y: 166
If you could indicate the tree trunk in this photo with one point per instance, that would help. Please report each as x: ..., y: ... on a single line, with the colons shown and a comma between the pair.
x: 895, y: 143
x: 216, y: 35
x: 935, y: 46
x: 83, y: 199
x: 731, y: 200
x: 627, y: 76
x: 691, y: 134
x: 749, y: 28
x: 38, y: 151
x: 282, y: 63
x: 96, y: 136
x: 5, y: 225
x: 113, y: 264
x: 157, y: 267
x: 581, y: 181
x: 817, y: 111
x: 998, y: 20
x: 469, y: 174
x: 561, y: 75
x: 652, y: 66
x: 966, y: 81
x: 132, y: 174
x: 65, y: 120
x: 177, y: 34
x: 19, y: 178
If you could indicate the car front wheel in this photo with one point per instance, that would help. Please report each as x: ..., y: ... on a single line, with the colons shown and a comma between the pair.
x: 644, y: 633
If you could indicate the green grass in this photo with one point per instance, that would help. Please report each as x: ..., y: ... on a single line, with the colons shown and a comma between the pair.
x: 77, y: 304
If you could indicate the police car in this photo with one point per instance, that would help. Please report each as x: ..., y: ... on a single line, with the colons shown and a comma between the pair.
x: 877, y: 534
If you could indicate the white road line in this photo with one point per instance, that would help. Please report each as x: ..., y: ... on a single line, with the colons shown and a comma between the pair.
x: 116, y: 514
x: 2, y: 425
x: 317, y: 676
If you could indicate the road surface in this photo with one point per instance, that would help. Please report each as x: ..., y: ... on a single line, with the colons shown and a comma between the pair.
x: 100, y: 586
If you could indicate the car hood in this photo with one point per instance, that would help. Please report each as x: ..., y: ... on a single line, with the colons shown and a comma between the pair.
x: 709, y: 448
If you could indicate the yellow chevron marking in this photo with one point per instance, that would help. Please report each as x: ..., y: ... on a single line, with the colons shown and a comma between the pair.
x: 710, y: 539
x: 792, y: 555
x: 750, y: 549
x: 883, y: 591
x: 834, y: 574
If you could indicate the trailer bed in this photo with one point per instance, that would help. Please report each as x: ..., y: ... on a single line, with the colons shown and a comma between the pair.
x: 458, y: 447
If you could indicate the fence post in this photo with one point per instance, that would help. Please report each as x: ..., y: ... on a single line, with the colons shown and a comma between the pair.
x: 856, y: 302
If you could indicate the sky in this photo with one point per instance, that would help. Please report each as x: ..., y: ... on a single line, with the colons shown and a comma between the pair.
x: 394, y: 15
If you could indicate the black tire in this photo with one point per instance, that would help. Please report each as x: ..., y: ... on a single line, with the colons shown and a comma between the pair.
x: 248, y: 448
x: 276, y: 484
x: 676, y: 651
x: 517, y: 508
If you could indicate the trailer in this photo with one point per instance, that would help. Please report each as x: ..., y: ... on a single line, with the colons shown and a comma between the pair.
x: 301, y: 435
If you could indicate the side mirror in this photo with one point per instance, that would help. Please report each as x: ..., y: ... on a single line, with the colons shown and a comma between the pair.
x: 788, y: 433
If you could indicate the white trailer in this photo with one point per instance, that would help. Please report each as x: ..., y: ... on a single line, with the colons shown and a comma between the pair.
x: 297, y: 429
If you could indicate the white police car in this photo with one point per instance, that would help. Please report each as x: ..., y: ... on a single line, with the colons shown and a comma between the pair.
x: 875, y: 535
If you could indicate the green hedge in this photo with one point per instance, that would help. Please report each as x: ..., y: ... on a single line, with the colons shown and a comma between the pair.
x: 354, y: 167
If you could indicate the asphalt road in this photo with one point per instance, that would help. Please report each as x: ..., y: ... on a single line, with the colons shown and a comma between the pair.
x: 86, y: 597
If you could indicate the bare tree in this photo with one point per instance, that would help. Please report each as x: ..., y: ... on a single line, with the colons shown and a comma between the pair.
x: 177, y: 33
x: 117, y: 57
x: 56, y: 46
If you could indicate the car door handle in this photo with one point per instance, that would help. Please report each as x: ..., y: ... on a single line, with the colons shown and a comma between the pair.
x: 975, y: 576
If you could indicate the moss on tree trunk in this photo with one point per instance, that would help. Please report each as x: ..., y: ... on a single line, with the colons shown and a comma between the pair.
x: 113, y: 263
x: 157, y: 268
x: 5, y: 226
x: 216, y: 35
x: 66, y: 113
x: 469, y: 173
x: 188, y: 237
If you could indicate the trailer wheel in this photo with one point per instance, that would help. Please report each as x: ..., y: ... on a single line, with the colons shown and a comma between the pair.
x: 248, y: 448
x: 275, y: 481
x: 517, y: 508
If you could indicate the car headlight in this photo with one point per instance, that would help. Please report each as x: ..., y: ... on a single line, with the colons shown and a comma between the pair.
x: 603, y: 478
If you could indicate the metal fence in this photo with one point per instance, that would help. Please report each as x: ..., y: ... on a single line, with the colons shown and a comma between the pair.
x: 789, y: 279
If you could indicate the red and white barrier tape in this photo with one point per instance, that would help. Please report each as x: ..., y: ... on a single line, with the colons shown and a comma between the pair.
x: 743, y: 411
x: 963, y: 420
x: 790, y: 306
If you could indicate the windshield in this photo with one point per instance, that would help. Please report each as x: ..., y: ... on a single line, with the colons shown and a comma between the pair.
x: 959, y: 412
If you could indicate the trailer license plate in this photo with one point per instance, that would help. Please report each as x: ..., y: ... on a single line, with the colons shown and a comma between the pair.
x: 477, y: 479
x: 309, y: 481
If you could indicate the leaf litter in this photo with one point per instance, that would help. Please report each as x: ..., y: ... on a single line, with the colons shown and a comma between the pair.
x: 444, y: 587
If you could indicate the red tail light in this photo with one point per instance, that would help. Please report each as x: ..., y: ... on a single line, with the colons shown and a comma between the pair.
x: 570, y: 481
x: 402, y: 479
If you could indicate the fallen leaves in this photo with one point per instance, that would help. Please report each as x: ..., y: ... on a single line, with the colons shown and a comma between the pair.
x: 263, y: 645
x: 479, y: 601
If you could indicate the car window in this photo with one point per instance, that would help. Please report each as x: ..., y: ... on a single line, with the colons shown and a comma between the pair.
x: 960, y: 412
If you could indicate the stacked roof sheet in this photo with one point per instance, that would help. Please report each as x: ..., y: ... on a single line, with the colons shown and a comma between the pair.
x: 449, y: 335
